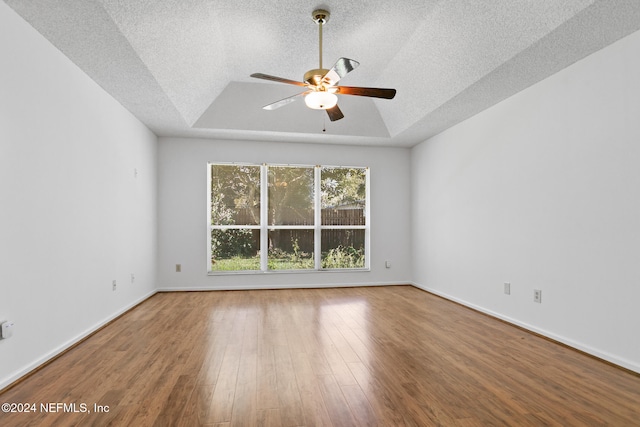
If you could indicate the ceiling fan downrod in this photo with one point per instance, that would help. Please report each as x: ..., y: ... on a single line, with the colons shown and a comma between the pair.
x: 320, y: 17
x: 314, y: 77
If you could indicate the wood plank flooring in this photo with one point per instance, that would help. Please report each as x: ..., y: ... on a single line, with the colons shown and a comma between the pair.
x: 387, y: 356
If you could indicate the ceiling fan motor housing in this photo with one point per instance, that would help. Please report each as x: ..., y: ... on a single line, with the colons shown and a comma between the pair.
x: 314, y: 77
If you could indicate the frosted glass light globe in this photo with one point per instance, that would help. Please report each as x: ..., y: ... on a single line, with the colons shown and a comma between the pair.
x: 321, y: 100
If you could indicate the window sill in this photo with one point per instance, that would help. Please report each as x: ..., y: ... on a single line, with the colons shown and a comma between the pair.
x: 270, y: 272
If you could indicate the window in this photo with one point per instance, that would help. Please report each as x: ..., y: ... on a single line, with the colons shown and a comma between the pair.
x: 235, y: 217
x: 343, y: 231
x: 287, y: 218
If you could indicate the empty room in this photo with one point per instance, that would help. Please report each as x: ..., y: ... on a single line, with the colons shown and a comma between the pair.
x: 339, y: 213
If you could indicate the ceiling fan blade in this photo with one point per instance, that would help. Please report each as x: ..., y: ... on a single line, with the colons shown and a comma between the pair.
x: 335, y: 113
x: 372, y: 92
x: 277, y: 79
x: 341, y: 68
x: 284, y: 101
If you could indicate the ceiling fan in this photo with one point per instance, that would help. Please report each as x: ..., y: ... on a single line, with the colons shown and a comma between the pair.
x: 321, y: 83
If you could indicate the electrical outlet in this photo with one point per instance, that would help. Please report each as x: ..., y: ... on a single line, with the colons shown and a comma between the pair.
x: 178, y: 268
x: 507, y: 288
x: 133, y: 277
x: 537, y: 296
x: 387, y: 264
x: 6, y: 329
x: 113, y: 285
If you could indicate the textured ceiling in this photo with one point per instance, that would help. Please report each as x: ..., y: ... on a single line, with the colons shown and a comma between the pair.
x: 182, y: 66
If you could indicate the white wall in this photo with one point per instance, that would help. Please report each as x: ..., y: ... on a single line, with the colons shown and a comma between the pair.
x: 182, y: 175
x: 73, y: 217
x: 543, y: 191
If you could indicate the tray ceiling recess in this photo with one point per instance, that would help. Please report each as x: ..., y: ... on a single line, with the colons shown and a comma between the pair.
x: 183, y: 68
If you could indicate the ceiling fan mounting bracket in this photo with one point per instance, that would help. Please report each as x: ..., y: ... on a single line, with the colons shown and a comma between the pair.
x: 320, y: 16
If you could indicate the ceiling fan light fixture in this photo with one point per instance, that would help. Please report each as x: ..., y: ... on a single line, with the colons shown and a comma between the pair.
x: 321, y: 100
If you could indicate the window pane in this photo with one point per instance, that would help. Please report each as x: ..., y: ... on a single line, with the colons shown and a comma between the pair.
x: 234, y: 250
x: 343, y: 194
x: 290, y: 195
x: 291, y: 249
x: 343, y: 248
x: 235, y: 195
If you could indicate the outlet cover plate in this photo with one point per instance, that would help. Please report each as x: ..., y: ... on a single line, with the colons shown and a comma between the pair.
x: 537, y: 296
x: 6, y: 330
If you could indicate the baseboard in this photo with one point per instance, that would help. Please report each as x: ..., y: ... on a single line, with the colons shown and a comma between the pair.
x: 607, y: 357
x: 32, y: 367
x: 281, y: 286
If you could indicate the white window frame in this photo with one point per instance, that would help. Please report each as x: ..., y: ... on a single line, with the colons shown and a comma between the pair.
x: 264, y: 227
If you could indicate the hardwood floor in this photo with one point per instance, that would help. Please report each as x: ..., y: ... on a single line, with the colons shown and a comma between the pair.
x: 387, y: 356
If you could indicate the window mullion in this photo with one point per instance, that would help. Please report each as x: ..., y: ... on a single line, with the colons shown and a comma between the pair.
x: 317, y: 210
x: 209, y: 217
x: 367, y: 220
x: 264, y: 212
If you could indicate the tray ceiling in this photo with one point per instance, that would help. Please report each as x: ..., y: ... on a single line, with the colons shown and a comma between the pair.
x: 182, y: 66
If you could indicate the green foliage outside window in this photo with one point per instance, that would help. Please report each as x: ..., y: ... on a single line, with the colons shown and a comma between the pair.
x: 343, y: 257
